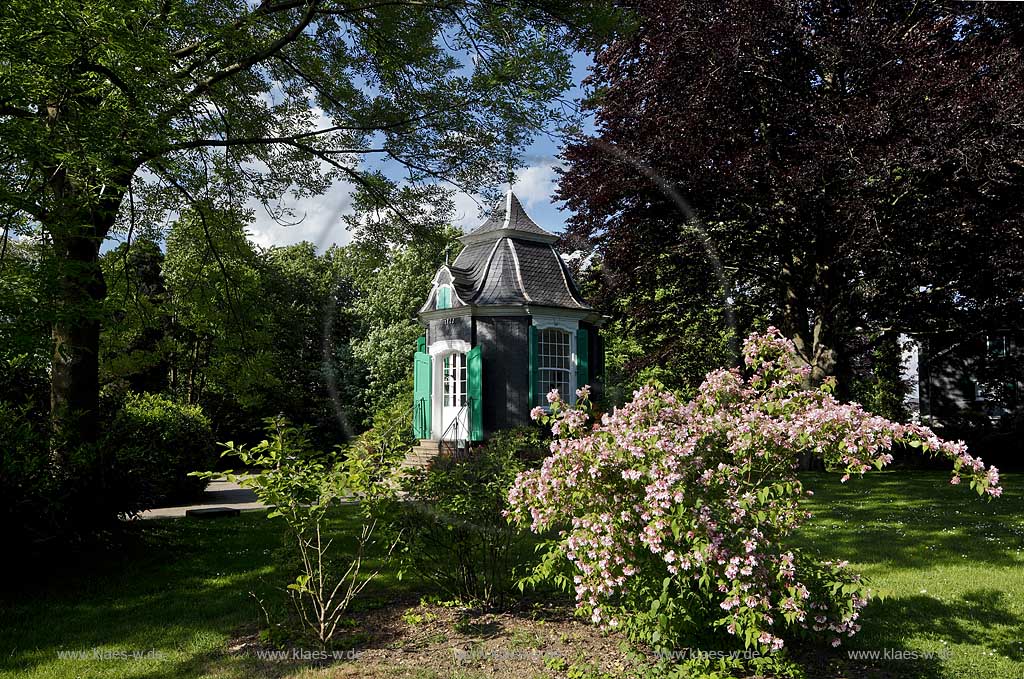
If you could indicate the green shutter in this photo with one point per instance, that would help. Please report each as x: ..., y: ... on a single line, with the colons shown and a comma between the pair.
x: 444, y: 297
x: 534, y: 377
x: 421, y: 344
x: 421, y: 395
x: 475, y: 379
x: 582, y: 357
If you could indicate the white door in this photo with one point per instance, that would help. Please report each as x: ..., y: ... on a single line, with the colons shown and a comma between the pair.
x: 454, y: 412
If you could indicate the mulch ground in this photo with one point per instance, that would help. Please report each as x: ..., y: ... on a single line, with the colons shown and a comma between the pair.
x: 541, y: 640
x: 409, y: 639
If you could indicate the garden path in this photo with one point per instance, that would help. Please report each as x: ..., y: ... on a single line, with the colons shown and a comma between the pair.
x: 220, y: 493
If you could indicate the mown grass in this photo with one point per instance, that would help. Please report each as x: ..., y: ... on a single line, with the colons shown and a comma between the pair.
x: 180, y: 588
x: 952, y: 566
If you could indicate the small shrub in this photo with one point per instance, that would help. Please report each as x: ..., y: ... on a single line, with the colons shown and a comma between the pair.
x: 677, y: 518
x: 381, y: 448
x: 302, y: 484
x: 29, y: 492
x: 153, y: 445
x: 453, y: 525
x: 49, y: 501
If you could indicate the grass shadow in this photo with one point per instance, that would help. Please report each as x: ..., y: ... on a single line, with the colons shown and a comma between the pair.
x: 176, y: 586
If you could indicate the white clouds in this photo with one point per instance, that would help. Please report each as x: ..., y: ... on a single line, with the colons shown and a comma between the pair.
x: 316, y: 219
x: 321, y: 215
x: 319, y: 220
x: 536, y: 184
x: 467, y: 210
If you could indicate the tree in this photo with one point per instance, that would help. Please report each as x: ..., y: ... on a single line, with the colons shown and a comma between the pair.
x: 386, y: 307
x: 220, y: 337
x: 666, y: 321
x: 26, y: 312
x: 853, y: 165
x: 309, y: 302
x: 133, y: 344
x: 112, y: 109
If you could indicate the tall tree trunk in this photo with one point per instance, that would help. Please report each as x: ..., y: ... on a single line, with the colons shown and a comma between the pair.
x: 74, y: 381
x: 811, y: 326
x: 74, y: 385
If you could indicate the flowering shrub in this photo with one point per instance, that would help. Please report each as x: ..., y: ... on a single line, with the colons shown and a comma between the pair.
x: 676, y: 517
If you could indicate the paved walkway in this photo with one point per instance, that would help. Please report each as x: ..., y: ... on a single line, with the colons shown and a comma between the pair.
x: 219, y: 493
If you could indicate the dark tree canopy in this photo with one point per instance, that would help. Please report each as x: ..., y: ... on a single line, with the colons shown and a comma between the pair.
x: 856, y: 166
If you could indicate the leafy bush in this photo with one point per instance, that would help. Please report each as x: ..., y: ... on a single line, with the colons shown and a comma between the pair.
x: 302, y: 485
x: 154, y: 444
x: 678, y: 516
x: 47, y: 500
x: 453, y: 525
x: 27, y: 485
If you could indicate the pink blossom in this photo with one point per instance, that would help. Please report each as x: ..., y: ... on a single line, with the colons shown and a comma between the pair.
x: 684, y: 481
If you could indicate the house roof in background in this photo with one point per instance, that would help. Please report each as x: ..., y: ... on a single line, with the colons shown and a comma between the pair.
x: 509, y: 219
x: 509, y: 259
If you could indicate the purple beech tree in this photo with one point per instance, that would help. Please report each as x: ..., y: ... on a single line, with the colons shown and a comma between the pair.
x: 856, y: 166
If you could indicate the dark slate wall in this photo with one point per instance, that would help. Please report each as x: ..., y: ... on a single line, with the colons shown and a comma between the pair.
x: 506, y: 358
x: 457, y: 328
x: 596, y: 351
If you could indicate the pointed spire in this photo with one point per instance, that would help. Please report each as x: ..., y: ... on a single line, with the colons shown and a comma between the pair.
x: 510, y: 216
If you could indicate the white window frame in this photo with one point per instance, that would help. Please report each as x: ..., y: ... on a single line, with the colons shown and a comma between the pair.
x: 570, y: 326
x: 437, y: 351
x: 457, y: 364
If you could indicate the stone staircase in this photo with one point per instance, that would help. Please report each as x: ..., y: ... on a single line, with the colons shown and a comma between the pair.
x: 421, y: 454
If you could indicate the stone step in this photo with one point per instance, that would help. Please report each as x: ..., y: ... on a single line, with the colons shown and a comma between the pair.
x: 421, y: 454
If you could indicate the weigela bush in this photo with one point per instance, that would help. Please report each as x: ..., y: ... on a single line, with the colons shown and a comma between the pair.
x: 677, y: 517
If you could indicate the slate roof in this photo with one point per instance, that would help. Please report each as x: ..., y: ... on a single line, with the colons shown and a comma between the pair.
x: 509, y: 215
x: 510, y: 260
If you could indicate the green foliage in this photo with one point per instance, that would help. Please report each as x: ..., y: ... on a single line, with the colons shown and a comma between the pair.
x: 29, y: 504
x: 248, y: 333
x: 117, y: 116
x: 877, y: 384
x: 392, y: 284
x: 152, y: 446
x: 452, y: 523
x: 382, y: 447
x: 144, y: 458
x: 302, y: 484
x: 26, y: 308
x: 134, y: 342
x: 24, y: 380
x: 667, y: 321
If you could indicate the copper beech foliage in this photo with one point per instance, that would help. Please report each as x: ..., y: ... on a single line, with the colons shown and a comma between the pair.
x: 852, y: 166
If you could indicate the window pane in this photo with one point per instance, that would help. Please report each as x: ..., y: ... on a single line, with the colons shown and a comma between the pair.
x: 553, y: 361
x: 462, y: 379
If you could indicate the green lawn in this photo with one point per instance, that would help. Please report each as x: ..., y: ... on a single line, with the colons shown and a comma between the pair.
x: 180, y: 587
x: 952, y: 565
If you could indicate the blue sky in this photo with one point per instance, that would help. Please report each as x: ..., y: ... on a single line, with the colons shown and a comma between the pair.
x: 534, y: 185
